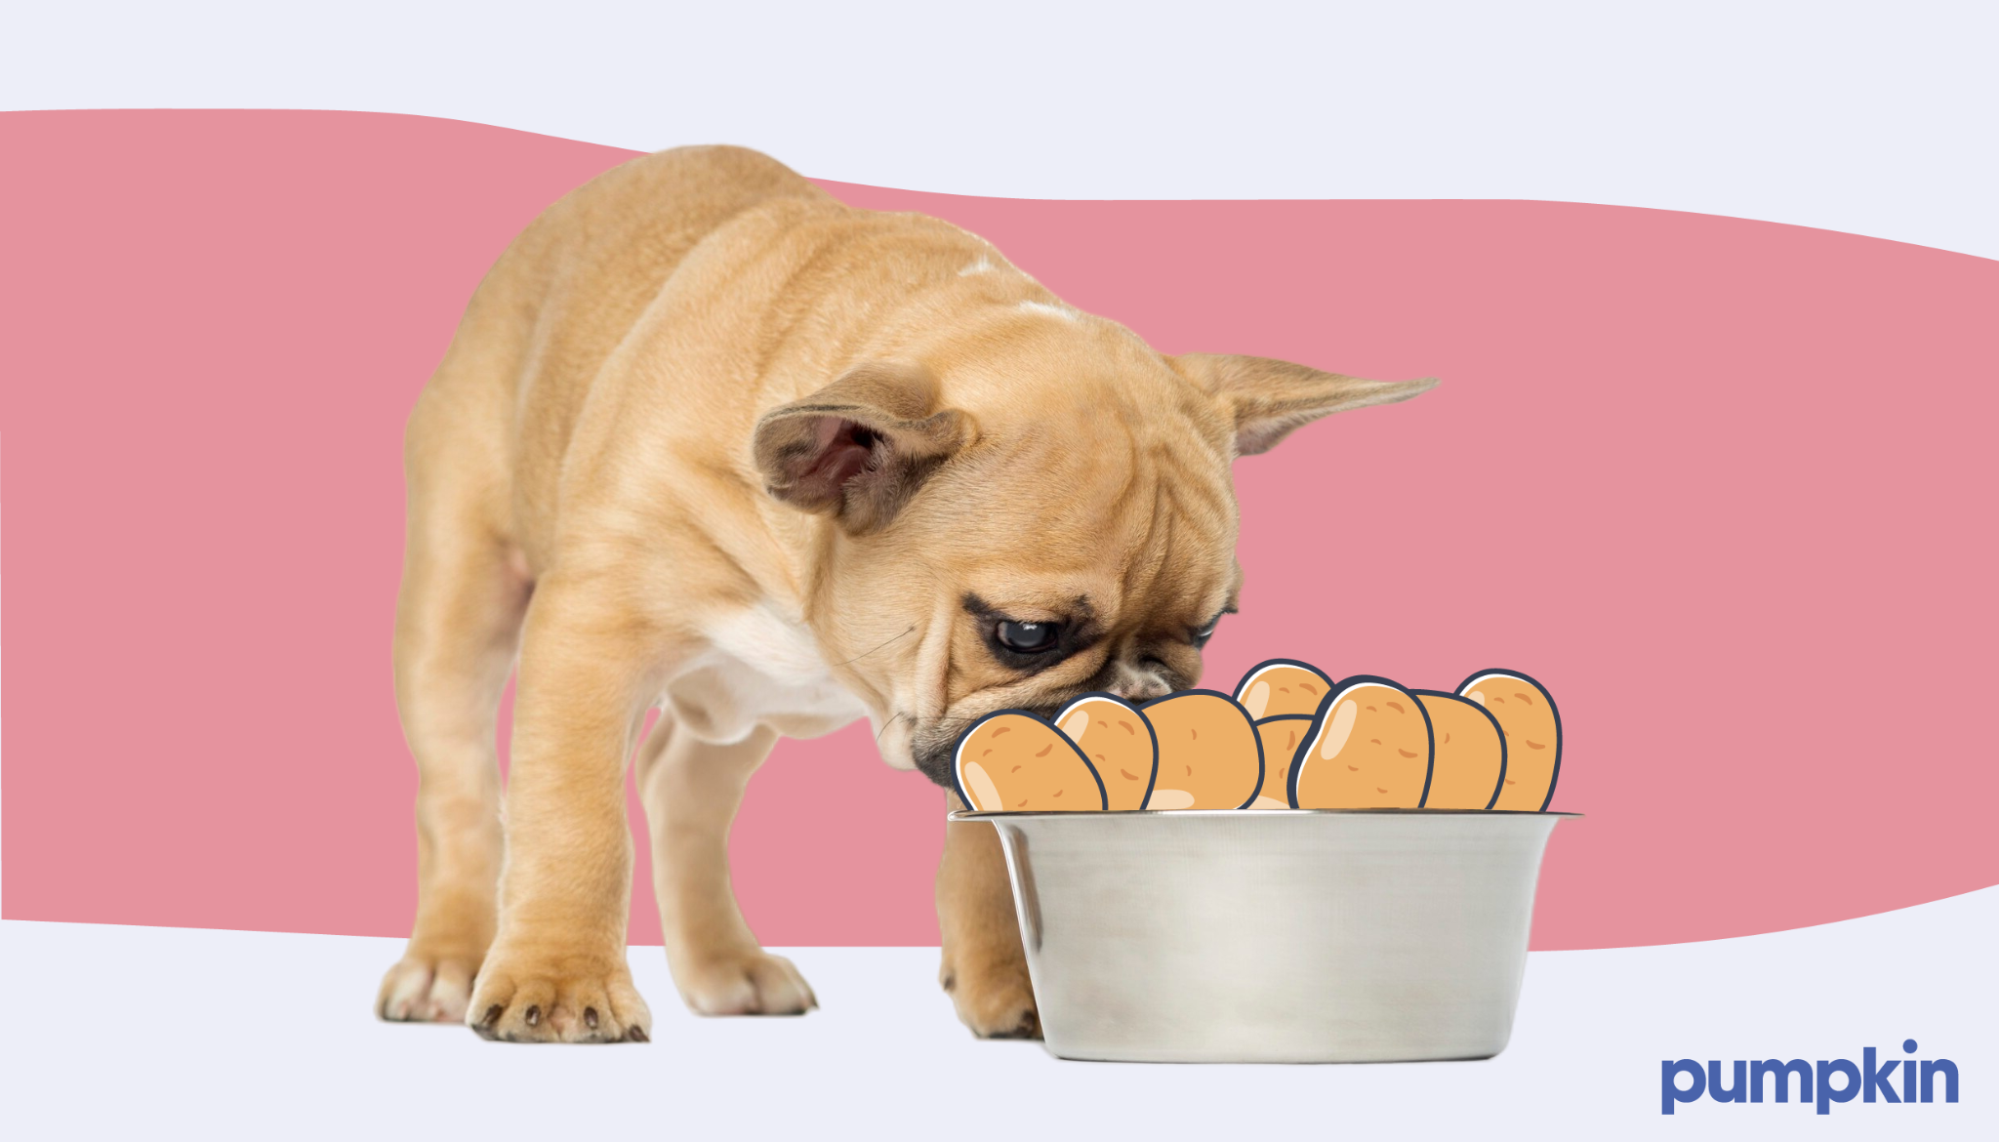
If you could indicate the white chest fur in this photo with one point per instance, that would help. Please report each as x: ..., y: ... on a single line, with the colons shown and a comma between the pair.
x: 760, y: 667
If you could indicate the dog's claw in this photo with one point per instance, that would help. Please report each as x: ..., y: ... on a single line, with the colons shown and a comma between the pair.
x: 638, y: 1034
x: 533, y: 1003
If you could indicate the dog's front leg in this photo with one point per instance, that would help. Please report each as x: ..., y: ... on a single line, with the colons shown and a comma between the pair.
x: 691, y: 790
x: 985, y: 968
x: 557, y: 968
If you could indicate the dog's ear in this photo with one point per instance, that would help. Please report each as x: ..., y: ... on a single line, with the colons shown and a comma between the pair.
x: 860, y: 447
x: 1270, y: 398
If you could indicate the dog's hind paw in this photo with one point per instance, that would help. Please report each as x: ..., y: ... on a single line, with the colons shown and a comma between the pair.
x: 745, y: 984
x: 426, y: 989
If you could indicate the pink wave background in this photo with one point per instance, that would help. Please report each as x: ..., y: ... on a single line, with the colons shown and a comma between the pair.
x: 1724, y: 486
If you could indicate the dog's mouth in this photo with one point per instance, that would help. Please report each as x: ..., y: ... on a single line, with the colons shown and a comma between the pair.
x: 935, y: 764
x: 935, y: 748
x: 929, y: 748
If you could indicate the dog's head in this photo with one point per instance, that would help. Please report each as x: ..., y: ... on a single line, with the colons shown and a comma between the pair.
x: 1028, y: 514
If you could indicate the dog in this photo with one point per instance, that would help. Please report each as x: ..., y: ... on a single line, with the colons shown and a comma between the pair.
x: 710, y: 441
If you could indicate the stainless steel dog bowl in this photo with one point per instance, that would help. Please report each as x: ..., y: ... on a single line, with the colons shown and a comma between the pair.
x: 1301, y: 936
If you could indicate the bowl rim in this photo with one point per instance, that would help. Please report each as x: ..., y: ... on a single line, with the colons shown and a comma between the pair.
x: 1024, y: 815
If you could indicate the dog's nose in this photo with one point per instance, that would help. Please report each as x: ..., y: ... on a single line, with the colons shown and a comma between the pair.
x: 1137, y: 687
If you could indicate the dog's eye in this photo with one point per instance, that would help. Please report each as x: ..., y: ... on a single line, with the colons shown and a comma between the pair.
x: 1027, y: 638
x: 1200, y: 637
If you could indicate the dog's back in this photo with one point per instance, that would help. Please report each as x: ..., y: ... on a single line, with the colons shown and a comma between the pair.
x: 558, y: 302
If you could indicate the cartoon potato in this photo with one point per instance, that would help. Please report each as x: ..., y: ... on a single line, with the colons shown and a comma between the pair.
x: 1209, y: 756
x: 1013, y: 761
x: 1119, y: 743
x: 1527, y: 716
x: 1277, y: 687
x: 1470, y: 753
x: 1369, y: 747
x: 1280, y: 737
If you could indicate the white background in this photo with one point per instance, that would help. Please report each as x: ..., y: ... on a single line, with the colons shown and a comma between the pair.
x: 184, y: 1033
x: 1878, y: 119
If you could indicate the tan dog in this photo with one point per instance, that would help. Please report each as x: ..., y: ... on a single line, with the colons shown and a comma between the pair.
x: 708, y: 440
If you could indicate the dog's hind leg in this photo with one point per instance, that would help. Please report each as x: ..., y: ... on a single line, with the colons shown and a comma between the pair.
x: 985, y: 967
x: 458, y: 622
x: 691, y: 790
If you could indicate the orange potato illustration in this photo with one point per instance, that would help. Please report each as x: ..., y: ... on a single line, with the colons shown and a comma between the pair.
x: 1470, y: 753
x: 1278, y: 687
x: 1013, y: 761
x: 1533, y: 727
x: 1119, y: 743
x: 1369, y: 747
x: 1209, y: 756
x: 1280, y: 737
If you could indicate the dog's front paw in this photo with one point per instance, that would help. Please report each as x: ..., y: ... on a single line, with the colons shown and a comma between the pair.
x: 572, y: 997
x: 751, y: 983
x: 994, y: 999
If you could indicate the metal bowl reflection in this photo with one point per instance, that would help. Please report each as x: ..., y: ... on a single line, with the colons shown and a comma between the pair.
x: 1275, y: 935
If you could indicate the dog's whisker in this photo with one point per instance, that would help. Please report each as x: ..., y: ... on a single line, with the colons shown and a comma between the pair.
x: 886, y: 725
x: 872, y: 650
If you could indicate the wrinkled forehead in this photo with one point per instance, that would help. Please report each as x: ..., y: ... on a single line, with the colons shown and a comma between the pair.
x: 1097, y: 472
x: 1110, y: 523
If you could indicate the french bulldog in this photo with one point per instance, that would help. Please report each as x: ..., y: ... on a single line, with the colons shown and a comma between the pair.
x: 710, y: 441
